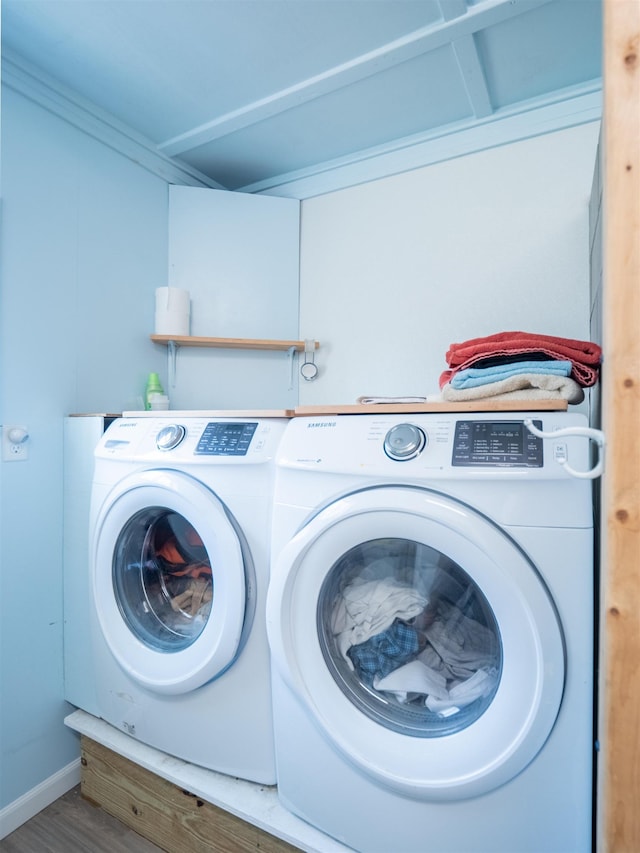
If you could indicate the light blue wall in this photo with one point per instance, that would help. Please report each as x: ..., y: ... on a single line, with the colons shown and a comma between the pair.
x: 84, y: 245
x: 238, y: 256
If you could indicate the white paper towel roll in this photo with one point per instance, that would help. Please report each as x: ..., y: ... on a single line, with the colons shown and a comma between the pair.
x: 172, y: 311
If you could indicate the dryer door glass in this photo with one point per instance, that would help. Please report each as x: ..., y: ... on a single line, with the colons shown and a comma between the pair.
x: 409, y: 637
x: 162, y: 579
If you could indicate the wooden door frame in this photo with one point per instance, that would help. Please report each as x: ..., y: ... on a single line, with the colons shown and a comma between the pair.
x: 618, y: 774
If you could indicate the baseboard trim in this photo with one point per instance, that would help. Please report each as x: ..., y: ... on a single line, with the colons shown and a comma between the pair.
x: 38, y: 798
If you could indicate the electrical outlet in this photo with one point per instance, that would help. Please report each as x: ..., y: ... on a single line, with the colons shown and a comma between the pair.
x: 15, y: 443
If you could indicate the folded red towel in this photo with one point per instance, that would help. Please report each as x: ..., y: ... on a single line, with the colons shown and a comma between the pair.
x: 584, y: 356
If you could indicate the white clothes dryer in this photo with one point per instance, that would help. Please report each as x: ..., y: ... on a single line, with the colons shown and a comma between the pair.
x: 180, y: 531
x: 430, y: 617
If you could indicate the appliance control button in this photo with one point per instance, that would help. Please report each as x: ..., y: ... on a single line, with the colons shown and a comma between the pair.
x: 560, y: 452
x: 404, y: 441
x: 170, y: 436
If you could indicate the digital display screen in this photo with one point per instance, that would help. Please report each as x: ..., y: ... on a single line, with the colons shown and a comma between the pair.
x: 505, y: 438
x: 492, y: 444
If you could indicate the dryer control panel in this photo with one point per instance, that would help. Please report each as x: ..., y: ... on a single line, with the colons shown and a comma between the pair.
x: 435, y: 445
x: 496, y: 444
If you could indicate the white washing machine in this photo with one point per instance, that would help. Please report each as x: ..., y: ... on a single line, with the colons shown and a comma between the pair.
x: 180, y: 530
x: 81, y: 435
x: 430, y: 617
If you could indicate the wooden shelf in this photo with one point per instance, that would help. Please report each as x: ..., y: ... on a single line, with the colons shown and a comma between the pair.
x: 229, y: 343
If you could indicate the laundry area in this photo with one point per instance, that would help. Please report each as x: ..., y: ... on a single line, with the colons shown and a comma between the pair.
x: 312, y: 423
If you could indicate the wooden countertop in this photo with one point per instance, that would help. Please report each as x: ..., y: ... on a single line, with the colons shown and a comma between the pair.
x: 353, y: 409
x: 420, y: 408
x: 212, y: 413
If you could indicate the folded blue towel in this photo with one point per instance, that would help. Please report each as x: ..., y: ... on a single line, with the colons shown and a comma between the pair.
x: 473, y: 377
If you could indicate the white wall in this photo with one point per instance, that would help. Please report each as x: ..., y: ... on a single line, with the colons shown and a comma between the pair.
x: 84, y: 238
x: 395, y: 270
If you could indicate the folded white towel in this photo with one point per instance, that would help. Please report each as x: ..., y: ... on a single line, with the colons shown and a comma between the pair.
x: 370, y: 400
x: 525, y: 386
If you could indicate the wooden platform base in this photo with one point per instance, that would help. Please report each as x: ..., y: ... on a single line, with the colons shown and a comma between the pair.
x: 171, y: 818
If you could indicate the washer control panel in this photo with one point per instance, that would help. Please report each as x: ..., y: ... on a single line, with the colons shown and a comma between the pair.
x: 198, y: 439
x: 492, y: 444
x: 225, y: 439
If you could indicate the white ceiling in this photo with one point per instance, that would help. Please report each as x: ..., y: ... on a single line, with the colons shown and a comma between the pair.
x: 250, y: 92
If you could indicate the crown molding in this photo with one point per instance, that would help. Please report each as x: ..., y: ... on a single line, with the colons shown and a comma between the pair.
x: 32, y: 83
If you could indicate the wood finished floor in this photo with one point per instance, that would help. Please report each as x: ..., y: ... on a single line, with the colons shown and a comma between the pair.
x: 73, y: 825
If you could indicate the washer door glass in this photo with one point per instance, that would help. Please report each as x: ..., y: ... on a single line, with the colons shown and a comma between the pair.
x: 172, y: 579
x: 420, y: 638
x: 409, y: 637
x: 162, y: 578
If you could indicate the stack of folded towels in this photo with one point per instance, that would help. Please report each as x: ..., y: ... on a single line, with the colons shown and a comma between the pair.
x: 520, y: 366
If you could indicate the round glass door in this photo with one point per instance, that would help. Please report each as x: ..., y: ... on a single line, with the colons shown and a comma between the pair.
x: 409, y: 637
x: 172, y: 579
x: 162, y: 578
x: 421, y: 639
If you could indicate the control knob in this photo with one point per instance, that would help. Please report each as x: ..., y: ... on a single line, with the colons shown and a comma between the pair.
x: 404, y: 441
x: 170, y: 436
